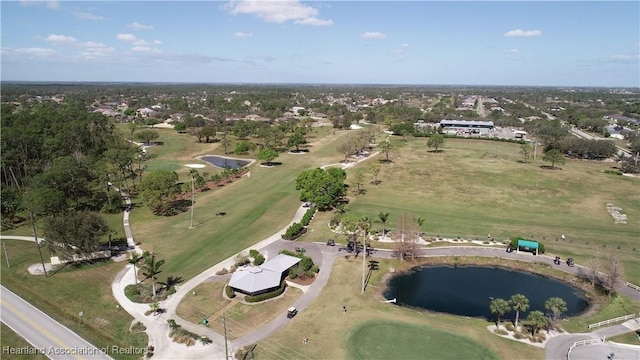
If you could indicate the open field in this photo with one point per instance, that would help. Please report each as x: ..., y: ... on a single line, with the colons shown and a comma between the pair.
x: 64, y: 294
x: 471, y: 189
x: 388, y: 339
x: 475, y: 188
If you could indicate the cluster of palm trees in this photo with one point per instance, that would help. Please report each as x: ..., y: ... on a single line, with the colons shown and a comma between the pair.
x: 555, y: 306
x: 150, y: 268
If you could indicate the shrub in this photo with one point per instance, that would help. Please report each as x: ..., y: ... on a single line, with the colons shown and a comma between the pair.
x: 241, y: 260
x: 253, y: 253
x: 258, y: 260
x: 223, y: 271
x: 229, y: 291
x: 294, y: 231
x: 613, y: 172
x: 501, y: 332
x: 132, y: 292
x: 510, y: 327
x: 268, y: 295
x: 308, y: 216
x: 520, y: 336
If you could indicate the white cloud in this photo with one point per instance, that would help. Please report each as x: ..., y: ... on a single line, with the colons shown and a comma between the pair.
x: 35, y: 51
x: 401, y: 49
x: 278, y: 11
x: 48, y: 4
x: 631, y: 58
x: 314, y: 22
x: 87, y: 16
x: 60, y: 39
x: 130, y: 38
x: 523, y: 33
x: 510, y: 50
x: 127, y: 37
x: 137, y: 26
x: 373, y: 35
x: 242, y: 34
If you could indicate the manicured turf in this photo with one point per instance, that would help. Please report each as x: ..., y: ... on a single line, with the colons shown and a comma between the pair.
x: 16, y: 344
x: 392, y: 340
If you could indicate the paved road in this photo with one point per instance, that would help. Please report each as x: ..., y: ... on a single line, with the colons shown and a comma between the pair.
x: 53, y: 339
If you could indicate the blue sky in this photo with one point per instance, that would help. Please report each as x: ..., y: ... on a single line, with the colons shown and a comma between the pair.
x: 542, y: 43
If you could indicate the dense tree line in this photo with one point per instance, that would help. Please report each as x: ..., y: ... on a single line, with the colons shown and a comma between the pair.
x: 57, y: 160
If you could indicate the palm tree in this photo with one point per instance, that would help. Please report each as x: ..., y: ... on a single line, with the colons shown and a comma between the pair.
x: 364, y: 225
x: 538, y: 321
x: 134, y: 260
x: 519, y: 303
x: 155, y: 307
x: 556, y: 306
x: 151, y: 269
x: 499, y: 307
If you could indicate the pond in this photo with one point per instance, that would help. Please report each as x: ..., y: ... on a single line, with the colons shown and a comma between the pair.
x: 224, y: 162
x: 468, y: 290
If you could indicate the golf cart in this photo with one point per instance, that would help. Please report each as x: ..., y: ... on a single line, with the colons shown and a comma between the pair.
x: 570, y: 262
x: 291, y: 312
x: 557, y: 260
x: 331, y: 242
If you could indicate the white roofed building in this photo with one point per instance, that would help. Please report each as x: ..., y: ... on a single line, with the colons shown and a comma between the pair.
x: 263, y: 278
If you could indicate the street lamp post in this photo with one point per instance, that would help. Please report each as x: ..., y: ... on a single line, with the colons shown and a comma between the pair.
x: 193, y: 190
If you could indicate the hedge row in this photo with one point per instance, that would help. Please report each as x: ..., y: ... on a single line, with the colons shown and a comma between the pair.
x: 268, y: 295
x: 293, y: 231
x: 306, y: 219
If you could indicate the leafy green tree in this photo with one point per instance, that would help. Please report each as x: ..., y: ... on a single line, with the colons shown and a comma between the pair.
x: 180, y: 127
x: 158, y: 190
x: 146, y: 135
x: 436, y: 141
x: 297, y: 139
x: 322, y: 187
x: 519, y: 303
x: 267, y: 154
x: 151, y: 269
x: 241, y: 129
x: 347, y: 149
x: 526, y: 150
x: 375, y: 170
x: 499, y: 307
x: 244, y: 147
x: 358, y: 180
x: 113, y: 204
x: 74, y: 233
x: 385, y: 146
x: 554, y: 157
x: 151, y: 121
x: 556, y: 306
x: 538, y: 321
x: 208, y: 132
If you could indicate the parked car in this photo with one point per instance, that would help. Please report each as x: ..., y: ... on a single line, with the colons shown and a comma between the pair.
x: 291, y: 312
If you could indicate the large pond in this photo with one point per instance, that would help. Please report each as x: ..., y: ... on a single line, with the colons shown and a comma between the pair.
x: 468, y: 290
x: 223, y: 162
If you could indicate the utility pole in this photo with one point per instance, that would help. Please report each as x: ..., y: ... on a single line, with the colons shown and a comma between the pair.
x: 35, y: 235
x: 224, y: 325
x: 4, y: 245
x: 364, y: 259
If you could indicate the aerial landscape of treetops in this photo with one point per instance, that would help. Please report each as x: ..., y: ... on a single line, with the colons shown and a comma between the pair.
x: 376, y: 155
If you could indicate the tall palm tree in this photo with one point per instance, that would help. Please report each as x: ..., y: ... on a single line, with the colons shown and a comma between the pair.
x: 499, y: 307
x: 365, y: 226
x: 556, y: 306
x: 538, y: 321
x: 519, y: 303
x: 151, y: 269
x: 134, y: 260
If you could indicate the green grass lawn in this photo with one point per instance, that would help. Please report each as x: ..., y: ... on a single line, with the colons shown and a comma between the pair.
x: 470, y: 189
x: 392, y: 340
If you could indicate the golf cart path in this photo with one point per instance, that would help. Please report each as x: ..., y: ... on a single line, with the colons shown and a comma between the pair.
x: 158, y: 327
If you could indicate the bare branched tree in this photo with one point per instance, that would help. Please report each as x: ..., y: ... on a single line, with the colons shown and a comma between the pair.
x: 407, y: 236
x: 614, y: 271
x: 593, y: 266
